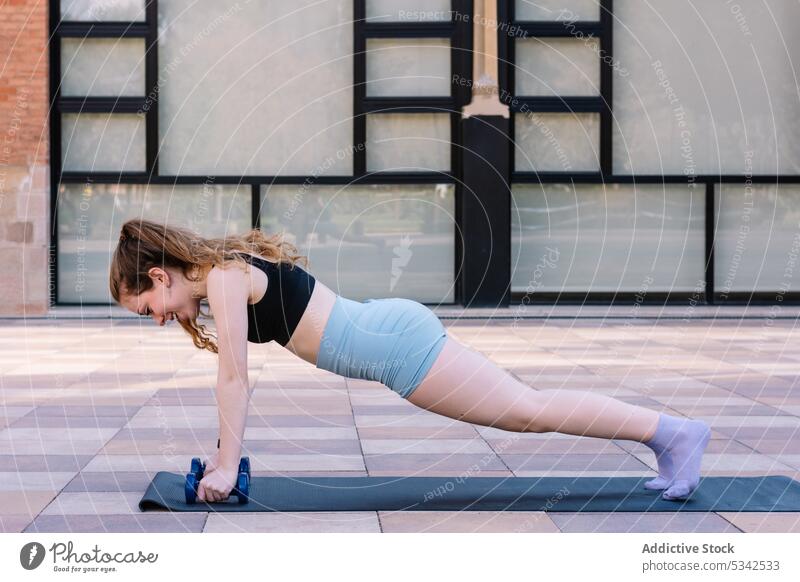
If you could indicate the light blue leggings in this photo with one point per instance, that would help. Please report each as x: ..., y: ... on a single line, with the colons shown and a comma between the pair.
x: 393, y: 341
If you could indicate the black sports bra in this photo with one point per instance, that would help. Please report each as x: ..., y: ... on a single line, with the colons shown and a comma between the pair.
x: 277, y: 314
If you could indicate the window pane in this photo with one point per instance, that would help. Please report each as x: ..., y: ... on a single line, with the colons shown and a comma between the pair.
x: 407, y: 10
x: 556, y: 142
x: 569, y: 10
x: 91, y: 215
x: 103, y: 142
x: 756, y: 241
x: 557, y: 66
x: 102, y: 67
x: 256, y: 88
x: 408, y: 67
x: 711, y: 87
x: 371, y: 241
x: 113, y: 10
x: 607, y: 238
x: 408, y: 142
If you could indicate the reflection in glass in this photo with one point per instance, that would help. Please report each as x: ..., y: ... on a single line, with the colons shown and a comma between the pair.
x: 607, y: 238
x: 91, y: 215
x: 371, y: 241
x: 757, y: 238
x: 408, y: 67
x: 102, y: 67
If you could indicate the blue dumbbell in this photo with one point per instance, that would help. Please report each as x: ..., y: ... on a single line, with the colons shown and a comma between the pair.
x: 241, y: 490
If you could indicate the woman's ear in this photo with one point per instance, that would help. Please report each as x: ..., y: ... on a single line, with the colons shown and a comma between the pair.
x: 160, y: 275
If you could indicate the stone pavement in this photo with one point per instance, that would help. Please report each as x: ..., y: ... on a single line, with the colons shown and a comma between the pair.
x: 90, y: 410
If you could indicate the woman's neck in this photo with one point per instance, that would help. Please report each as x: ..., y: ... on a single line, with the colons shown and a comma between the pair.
x: 199, y: 286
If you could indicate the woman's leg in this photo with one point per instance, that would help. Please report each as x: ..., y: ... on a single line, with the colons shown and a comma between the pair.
x: 465, y: 385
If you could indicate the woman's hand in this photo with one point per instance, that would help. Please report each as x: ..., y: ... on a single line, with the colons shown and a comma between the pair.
x: 212, y: 463
x: 217, y: 485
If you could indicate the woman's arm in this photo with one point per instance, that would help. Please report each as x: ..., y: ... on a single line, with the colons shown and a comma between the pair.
x: 228, y: 293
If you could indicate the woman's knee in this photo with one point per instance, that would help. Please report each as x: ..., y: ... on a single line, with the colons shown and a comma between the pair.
x: 527, y: 415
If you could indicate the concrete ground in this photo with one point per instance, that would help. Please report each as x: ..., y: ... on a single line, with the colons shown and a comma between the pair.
x: 91, y: 409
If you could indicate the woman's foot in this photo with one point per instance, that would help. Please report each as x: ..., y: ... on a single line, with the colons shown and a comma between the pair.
x: 679, y: 444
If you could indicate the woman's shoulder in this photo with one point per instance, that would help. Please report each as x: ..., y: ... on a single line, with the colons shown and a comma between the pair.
x: 252, y: 256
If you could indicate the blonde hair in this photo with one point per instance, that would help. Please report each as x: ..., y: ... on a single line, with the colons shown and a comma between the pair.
x: 144, y: 244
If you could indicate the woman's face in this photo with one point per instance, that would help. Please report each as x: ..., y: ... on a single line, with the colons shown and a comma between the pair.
x: 170, y: 298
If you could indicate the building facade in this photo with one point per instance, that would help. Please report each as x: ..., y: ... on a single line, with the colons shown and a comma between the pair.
x: 448, y: 151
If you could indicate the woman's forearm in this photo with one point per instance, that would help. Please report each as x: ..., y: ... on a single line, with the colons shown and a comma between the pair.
x: 232, y: 400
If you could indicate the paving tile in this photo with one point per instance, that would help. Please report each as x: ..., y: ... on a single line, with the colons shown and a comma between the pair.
x: 14, y: 523
x: 94, y: 503
x: 258, y: 462
x: 118, y: 425
x: 167, y: 446
x: 715, y: 446
x: 58, y: 463
x: 731, y: 463
x: 580, y: 463
x: 119, y: 481
x: 588, y: 473
x: 51, y: 447
x: 77, y: 410
x: 647, y: 522
x: 426, y: 419
x: 773, y: 446
x: 755, y: 432
x: 24, y: 502
x: 417, y: 446
x: 304, y: 474
x: 312, y: 446
x: 181, y: 411
x: 790, y: 460
x: 70, y: 422
x: 553, y: 446
x: 55, y: 434
x: 198, y: 434
x: 304, y: 420
x: 300, y: 433
x: 286, y: 522
x: 299, y: 462
x: 34, y: 481
x: 433, y: 462
x: 754, y: 522
x: 150, y: 522
x: 173, y: 422
x: 466, y: 522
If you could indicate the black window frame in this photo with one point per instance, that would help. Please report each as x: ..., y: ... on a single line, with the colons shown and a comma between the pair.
x: 457, y: 30
x: 603, y: 29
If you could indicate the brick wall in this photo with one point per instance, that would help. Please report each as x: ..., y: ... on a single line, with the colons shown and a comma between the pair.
x: 24, y: 157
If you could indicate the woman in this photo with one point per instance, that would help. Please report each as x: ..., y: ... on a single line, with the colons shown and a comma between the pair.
x: 164, y: 272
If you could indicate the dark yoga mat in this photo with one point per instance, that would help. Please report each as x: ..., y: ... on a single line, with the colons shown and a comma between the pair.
x: 572, y: 494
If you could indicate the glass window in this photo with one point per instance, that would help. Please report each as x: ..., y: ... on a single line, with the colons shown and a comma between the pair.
x: 556, y: 142
x: 708, y: 87
x: 557, y: 67
x: 256, y: 88
x: 371, y: 241
x: 108, y: 10
x: 607, y: 238
x: 407, y: 10
x: 567, y: 10
x: 90, y: 216
x: 408, y: 142
x: 757, y: 238
x: 408, y: 67
x: 106, y: 67
x: 103, y: 142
